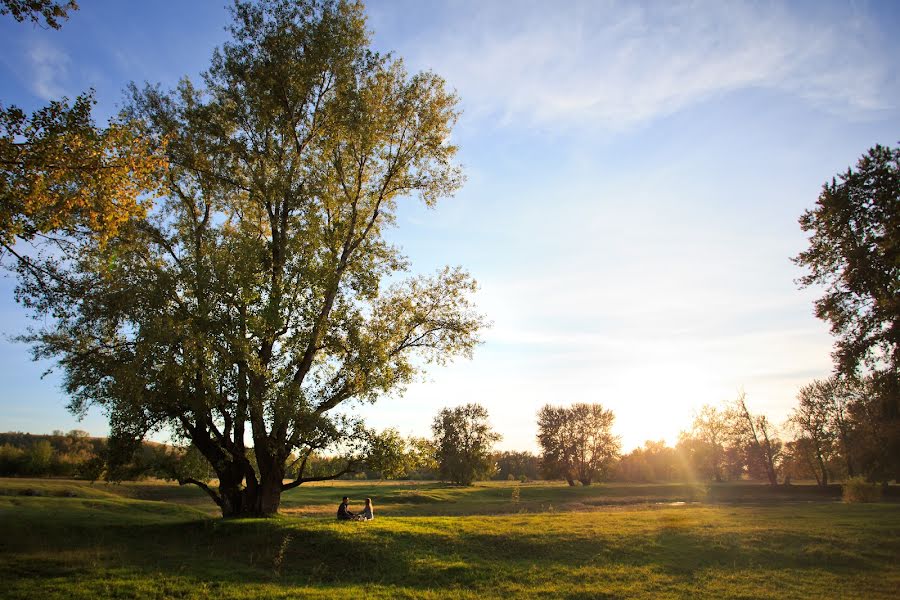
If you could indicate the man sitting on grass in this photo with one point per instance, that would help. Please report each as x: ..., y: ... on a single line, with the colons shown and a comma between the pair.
x: 343, y: 513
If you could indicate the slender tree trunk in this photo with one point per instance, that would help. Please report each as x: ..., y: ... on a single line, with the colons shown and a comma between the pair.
x: 823, y: 469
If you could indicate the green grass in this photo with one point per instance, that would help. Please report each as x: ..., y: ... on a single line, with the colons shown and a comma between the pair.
x: 153, y: 540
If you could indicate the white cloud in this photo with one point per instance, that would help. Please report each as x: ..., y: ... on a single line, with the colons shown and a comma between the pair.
x: 618, y: 64
x: 48, y: 69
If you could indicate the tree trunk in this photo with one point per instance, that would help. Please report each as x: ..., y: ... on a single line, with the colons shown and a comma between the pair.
x: 823, y: 469
x: 256, y: 500
x: 269, y: 497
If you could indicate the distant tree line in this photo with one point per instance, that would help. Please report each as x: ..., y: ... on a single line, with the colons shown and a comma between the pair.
x: 835, y: 432
x: 78, y: 455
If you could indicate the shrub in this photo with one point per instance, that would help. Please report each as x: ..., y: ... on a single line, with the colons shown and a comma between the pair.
x: 857, y: 489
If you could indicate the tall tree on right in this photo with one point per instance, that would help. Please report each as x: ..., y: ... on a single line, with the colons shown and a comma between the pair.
x: 854, y: 253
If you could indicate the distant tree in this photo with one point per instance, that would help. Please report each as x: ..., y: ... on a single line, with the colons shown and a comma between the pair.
x: 35, y: 10
x: 516, y: 465
x: 653, y: 462
x: 422, y: 458
x: 812, y: 420
x: 710, y: 429
x: 387, y: 455
x: 463, y: 440
x: 821, y: 419
x: 556, y: 439
x: 854, y: 253
x: 873, y: 438
x: 758, y: 437
x: 39, y: 458
x: 842, y: 393
x: 91, y: 468
x: 577, y: 441
x: 12, y: 460
x: 189, y: 464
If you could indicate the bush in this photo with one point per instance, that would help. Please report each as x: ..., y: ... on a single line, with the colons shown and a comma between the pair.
x: 858, y: 489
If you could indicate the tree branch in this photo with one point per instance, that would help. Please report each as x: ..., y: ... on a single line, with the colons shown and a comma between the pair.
x: 212, y: 493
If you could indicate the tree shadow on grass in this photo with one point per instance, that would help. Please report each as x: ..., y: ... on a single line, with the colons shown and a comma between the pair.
x: 300, y: 552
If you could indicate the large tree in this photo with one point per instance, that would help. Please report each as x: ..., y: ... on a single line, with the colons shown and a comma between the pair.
x: 249, y: 311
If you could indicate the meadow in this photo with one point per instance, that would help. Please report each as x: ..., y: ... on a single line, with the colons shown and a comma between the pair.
x: 68, y: 539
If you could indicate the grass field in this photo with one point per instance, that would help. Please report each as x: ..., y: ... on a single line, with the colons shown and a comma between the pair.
x: 63, y: 539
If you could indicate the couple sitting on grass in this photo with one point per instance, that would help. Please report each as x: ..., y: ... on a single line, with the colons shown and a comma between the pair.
x: 344, y: 514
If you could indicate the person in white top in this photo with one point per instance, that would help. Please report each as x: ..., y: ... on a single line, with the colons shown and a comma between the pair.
x: 367, y: 514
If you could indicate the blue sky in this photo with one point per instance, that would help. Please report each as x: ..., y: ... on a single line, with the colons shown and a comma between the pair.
x: 635, y: 174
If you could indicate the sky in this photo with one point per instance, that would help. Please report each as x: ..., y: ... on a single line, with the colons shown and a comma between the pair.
x: 635, y: 172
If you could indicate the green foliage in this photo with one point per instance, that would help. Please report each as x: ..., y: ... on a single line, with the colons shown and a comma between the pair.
x: 513, y: 465
x: 387, y: 455
x: 12, y: 460
x: 577, y: 442
x: 250, y: 304
x: 423, y: 458
x: 182, y: 464
x: 653, y: 462
x: 91, y: 469
x: 39, y: 458
x: 34, y: 10
x: 463, y: 439
x: 857, y: 489
x: 855, y: 255
x: 874, y: 437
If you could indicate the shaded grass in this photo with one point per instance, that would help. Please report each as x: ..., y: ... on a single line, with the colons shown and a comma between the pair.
x: 81, y: 547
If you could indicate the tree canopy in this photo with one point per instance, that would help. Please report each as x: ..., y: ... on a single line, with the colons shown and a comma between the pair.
x: 63, y: 176
x: 854, y: 253
x: 60, y: 174
x: 463, y: 440
x: 577, y: 442
x: 250, y: 307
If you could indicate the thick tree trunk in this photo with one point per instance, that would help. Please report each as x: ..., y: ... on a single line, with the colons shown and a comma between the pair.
x: 255, y: 500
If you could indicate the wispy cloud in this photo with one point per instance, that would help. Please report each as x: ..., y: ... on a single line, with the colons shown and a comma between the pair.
x: 48, y: 68
x: 618, y: 64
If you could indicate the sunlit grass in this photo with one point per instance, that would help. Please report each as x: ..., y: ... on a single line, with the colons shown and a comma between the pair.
x: 55, y: 546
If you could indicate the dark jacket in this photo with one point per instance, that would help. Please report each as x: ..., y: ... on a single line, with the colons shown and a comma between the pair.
x: 344, y: 513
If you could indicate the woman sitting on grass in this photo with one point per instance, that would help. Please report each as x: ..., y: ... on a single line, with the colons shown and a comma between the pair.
x: 367, y: 514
